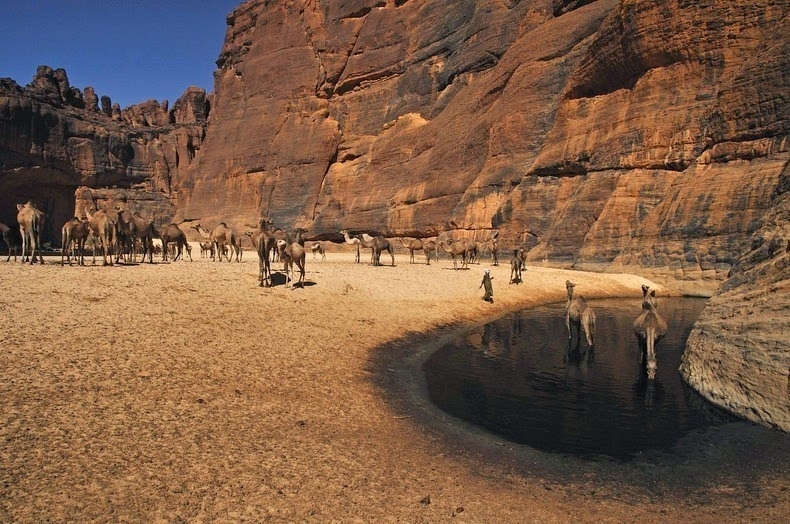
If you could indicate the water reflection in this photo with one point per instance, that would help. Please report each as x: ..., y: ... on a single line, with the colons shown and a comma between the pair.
x: 518, y: 378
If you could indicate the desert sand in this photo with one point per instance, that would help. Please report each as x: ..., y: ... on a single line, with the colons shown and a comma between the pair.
x: 183, y: 392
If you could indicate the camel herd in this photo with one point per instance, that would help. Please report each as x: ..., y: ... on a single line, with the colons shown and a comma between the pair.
x: 115, y: 232
x: 649, y: 327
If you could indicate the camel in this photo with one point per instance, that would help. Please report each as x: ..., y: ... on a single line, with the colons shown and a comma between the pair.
x: 414, y: 245
x: 220, y: 236
x: 143, y: 230
x: 317, y: 248
x: 493, y: 247
x: 5, y: 231
x: 580, y: 315
x: 74, y: 234
x: 104, y: 235
x: 263, y: 241
x: 649, y: 329
x: 206, y: 250
x: 377, y: 245
x: 516, y: 266
x: 31, y: 222
x: 292, y: 254
x: 429, y: 246
x: 174, y: 234
x: 458, y: 248
x: 352, y: 241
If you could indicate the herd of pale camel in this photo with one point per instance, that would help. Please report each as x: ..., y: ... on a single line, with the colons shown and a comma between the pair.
x: 116, y: 232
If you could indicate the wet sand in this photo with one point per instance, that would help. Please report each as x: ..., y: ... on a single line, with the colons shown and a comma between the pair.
x: 184, y: 392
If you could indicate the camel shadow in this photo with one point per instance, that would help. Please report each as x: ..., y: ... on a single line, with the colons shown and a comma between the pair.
x: 279, y: 279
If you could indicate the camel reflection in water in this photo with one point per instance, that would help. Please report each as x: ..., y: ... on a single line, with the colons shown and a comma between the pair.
x: 516, y: 378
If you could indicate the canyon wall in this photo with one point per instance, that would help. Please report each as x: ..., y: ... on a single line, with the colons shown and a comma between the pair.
x: 55, y: 138
x: 627, y: 136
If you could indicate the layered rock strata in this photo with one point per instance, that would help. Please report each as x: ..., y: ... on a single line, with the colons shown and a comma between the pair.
x: 55, y: 138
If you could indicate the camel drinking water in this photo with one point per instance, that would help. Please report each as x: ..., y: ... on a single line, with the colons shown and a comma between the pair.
x: 649, y: 329
x: 579, y: 315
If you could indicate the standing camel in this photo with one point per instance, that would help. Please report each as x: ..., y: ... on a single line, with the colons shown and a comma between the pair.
x: 414, y: 245
x: 173, y: 233
x: 221, y: 236
x: 377, y: 245
x: 74, y: 234
x: 649, y: 329
x: 292, y: 254
x: 263, y: 242
x: 457, y: 248
x: 31, y: 222
x: 5, y: 231
x: 580, y: 315
x: 352, y: 241
x: 516, y: 266
x: 317, y: 248
x: 144, y: 232
x: 104, y: 235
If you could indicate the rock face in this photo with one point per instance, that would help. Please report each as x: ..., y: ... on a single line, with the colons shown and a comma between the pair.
x: 640, y: 136
x: 54, y: 139
x: 738, y: 355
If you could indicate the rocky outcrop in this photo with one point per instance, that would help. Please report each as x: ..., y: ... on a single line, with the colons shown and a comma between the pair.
x: 738, y: 355
x: 639, y: 136
x: 55, y: 138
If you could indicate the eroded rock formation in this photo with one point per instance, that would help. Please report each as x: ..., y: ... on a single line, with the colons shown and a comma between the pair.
x: 55, y: 138
x: 640, y: 136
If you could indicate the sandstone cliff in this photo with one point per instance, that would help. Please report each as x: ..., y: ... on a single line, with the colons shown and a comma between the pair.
x: 641, y: 136
x: 55, y: 138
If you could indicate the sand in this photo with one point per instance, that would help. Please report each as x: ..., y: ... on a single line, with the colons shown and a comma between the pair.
x: 183, y: 392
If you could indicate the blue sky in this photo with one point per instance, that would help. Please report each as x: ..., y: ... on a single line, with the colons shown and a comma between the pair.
x: 131, y: 51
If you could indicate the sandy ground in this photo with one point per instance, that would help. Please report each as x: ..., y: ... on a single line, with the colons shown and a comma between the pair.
x: 183, y: 392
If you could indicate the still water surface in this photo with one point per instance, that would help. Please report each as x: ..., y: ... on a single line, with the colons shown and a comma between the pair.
x: 515, y: 378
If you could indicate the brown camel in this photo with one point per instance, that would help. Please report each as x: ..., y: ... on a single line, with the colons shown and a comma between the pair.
x: 414, y: 245
x: 221, y: 236
x: 104, y: 232
x: 377, y: 245
x: 5, y: 231
x: 206, y: 250
x: 491, y: 246
x: 292, y: 254
x: 144, y: 232
x: 649, y: 329
x: 516, y: 266
x: 318, y: 249
x: 352, y: 241
x: 579, y: 315
x: 458, y: 248
x: 74, y: 234
x: 263, y: 242
x: 428, y: 247
x: 31, y: 222
x: 173, y: 233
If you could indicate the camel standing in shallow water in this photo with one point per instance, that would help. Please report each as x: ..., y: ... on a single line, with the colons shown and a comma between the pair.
x: 580, y: 315
x: 31, y: 222
x: 649, y: 329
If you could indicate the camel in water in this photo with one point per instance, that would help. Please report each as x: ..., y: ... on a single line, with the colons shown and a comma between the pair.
x: 580, y: 315
x: 649, y: 329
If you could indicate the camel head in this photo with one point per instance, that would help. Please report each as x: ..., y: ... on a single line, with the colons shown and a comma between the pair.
x: 652, y: 366
x: 645, y: 289
x: 569, y: 285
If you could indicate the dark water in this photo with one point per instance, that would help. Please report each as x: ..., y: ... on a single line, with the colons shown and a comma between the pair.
x: 514, y: 378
